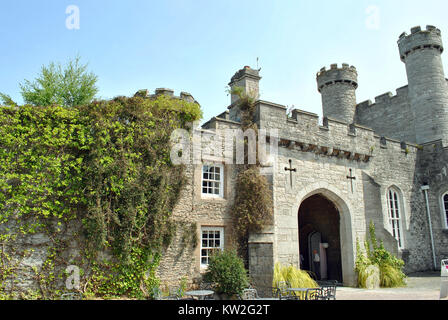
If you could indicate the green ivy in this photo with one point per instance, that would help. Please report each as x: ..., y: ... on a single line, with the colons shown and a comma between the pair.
x: 106, y: 164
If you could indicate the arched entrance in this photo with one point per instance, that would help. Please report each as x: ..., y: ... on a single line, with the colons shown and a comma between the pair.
x: 319, y: 232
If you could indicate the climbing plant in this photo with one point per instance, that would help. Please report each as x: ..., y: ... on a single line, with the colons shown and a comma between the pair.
x: 253, y: 206
x: 106, y: 165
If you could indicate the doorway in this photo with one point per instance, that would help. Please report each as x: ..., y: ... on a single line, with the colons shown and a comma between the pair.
x: 319, y: 231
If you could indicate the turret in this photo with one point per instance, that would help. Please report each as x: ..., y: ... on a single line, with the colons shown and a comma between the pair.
x: 428, y: 91
x: 247, y: 79
x: 338, y: 89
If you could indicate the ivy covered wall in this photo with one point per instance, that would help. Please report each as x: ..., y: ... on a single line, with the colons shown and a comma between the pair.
x: 90, y: 186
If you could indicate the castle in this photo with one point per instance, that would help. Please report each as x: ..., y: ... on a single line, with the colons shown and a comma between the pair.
x: 384, y: 162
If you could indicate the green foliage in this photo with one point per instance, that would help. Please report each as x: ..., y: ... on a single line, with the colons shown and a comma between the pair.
x: 183, y: 286
x: 189, y: 235
x: 252, y: 209
x: 134, y: 279
x: 227, y: 271
x: 68, y: 85
x: 295, y: 277
x: 253, y: 206
x: 361, y: 264
x: 391, y: 274
x: 7, y: 266
x: 7, y: 100
x: 106, y: 164
x: 246, y: 104
x: 41, y: 163
x: 130, y: 184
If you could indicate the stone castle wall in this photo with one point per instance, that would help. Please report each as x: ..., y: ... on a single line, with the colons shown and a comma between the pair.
x: 323, y: 156
x: 182, y: 259
x: 378, y: 148
x: 433, y: 170
x: 390, y: 115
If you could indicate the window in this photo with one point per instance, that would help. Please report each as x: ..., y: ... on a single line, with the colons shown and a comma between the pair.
x: 394, y: 207
x: 212, y: 180
x: 445, y: 209
x: 212, y: 238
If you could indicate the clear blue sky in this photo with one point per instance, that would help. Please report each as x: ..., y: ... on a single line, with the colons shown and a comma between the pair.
x: 197, y: 45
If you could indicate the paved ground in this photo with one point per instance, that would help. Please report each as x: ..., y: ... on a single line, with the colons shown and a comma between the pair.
x: 420, y: 286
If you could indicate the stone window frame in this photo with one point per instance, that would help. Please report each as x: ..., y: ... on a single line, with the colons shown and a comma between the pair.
x: 210, y: 248
x: 444, y: 209
x: 399, y: 205
x: 221, y: 181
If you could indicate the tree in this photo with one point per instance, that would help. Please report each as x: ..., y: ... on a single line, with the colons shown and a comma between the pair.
x: 7, y: 100
x: 68, y: 85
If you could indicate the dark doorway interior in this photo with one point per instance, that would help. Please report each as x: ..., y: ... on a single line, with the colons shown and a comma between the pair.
x: 317, y: 214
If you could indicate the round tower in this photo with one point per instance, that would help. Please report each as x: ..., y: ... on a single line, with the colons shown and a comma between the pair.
x: 428, y: 91
x: 338, y: 89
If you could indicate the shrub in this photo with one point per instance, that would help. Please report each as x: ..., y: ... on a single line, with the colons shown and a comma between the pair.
x: 227, y: 271
x: 361, y: 264
x: 391, y: 274
x: 295, y: 277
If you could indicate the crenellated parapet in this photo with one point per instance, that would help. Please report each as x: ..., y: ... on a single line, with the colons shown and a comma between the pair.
x: 165, y: 91
x: 335, y: 75
x: 385, y: 98
x: 332, y: 138
x: 338, y: 89
x: 337, y: 139
x: 430, y: 38
x: 389, y: 115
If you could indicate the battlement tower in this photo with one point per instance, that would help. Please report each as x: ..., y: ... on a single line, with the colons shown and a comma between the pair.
x: 428, y: 91
x: 338, y: 89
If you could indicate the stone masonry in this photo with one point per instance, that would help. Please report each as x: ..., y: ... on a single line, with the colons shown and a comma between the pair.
x: 369, y: 160
x: 398, y: 143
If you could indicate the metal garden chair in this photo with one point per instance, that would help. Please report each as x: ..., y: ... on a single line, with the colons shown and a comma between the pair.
x: 328, y: 289
x: 157, y: 295
x: 314, y: 294
x: 282, y: 292
x: 249, y: 294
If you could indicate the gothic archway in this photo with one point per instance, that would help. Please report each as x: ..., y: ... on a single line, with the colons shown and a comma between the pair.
x: 345, y: 209
x: 319, y: 232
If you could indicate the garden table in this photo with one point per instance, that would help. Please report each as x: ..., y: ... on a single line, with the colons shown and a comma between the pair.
x: 200, y: 294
